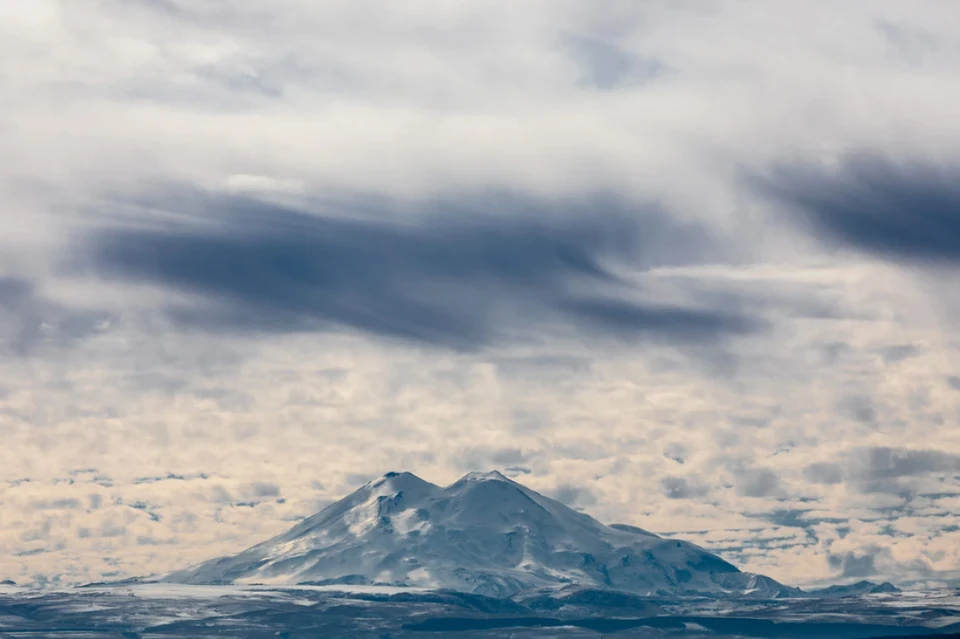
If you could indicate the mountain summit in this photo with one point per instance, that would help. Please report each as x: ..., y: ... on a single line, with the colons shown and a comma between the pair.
x: 484, y: 534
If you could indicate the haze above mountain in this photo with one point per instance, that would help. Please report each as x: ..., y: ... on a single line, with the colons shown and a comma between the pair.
x: 484, y: 534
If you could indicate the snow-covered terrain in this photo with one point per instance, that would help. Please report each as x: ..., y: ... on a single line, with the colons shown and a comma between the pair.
x: 483, y: 534
x: 854, y: 590
x: 174, y: 611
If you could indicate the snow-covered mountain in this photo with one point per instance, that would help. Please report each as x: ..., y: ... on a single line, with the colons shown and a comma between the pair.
x: 484, y: 534
x: 857, y: 589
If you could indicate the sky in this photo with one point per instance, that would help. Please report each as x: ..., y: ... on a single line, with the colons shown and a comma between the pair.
x: 689, y: 265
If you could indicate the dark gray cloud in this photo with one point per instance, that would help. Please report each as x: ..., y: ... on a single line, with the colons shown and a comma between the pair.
x: 676, y: 451
x: 824, y: 473
x: 455, y: 274
x: 879, y: 469
x: 898, y: 353
x: 574, y: 495
x: 953, y: 382
x: 861, y: 563
x: 681, y: 488
x: 859, y: 408
x: 887, y: 463
x: 28, y: 320
x: 57, y: 504
x: 264, y: 489
x: 757, y: 482
x: 899, y: 210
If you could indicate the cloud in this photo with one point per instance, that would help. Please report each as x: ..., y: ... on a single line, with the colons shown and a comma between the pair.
x: 860, y: 563
x: 898, y: 353
x: 887, y: 463
x: 676, y: 451
x: 905, y: 210
x: 264, y: 489
x: 681, y: 488
x: 605, y: 65
x: 57, y: 504
x: 757, y: 482
x: 859, y: 408
x: 29, y: 321
x: 574, y: 496
x: 824, y: 473
x: 459, y: 274
x: 877, y: 469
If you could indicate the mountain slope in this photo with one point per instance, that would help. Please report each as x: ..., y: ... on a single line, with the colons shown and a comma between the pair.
x: 484, y: 534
